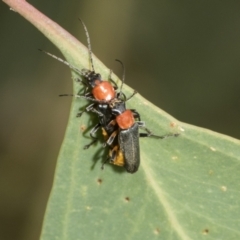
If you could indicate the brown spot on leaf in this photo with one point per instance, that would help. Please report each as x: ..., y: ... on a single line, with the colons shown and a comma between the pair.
x: 99, y: 181
x: 173, y: 124
x: 157, y: 231
x: 205, y: 231
x: 82, y: 128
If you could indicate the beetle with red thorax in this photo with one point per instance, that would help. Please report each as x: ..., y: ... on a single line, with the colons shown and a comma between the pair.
x: 96, y: 89
x: 124, y: 139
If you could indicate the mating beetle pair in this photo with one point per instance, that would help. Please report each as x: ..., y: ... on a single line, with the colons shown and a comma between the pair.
x: 120, y: 126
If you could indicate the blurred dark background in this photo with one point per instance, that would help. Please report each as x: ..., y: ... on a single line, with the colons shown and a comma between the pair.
x: 183, y: 56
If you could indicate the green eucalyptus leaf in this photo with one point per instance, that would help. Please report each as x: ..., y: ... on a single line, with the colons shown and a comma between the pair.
x: 186, y: 187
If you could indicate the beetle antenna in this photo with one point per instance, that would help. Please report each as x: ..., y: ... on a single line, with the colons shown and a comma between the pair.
x: 88, y: 43
x: 61, y: 60
x: 123, y: 76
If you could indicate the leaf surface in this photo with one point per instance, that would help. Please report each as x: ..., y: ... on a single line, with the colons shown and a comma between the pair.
x: 186, y: 188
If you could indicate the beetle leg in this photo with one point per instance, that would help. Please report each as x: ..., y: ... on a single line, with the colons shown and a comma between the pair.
x: 111, y: 139
x: 150, y: 134
x: 136, y: 114
x: 93, y: 131
x: 88, y: 108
